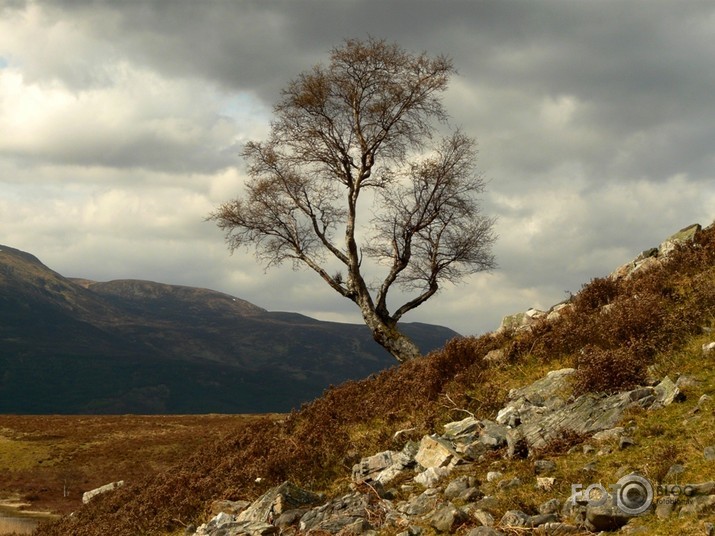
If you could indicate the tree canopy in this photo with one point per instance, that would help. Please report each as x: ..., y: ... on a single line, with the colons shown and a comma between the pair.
x: 366, y: 122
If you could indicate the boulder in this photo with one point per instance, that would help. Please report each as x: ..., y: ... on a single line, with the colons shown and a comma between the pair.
x: 606, y: 517
x: 435, y: 452
x: 492, y: 435
x: 687, y: 234
x: 276, y: 501
x: 384, y: 466
x: 431, y: 476
x: 458, y: 486
x: 447, y: 518
x: 521, y: 321
x: 89, y: 495
x: 466, y: 428
x: 348, y: 514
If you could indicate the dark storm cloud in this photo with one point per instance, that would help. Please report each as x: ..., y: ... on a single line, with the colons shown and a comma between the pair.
x: 594, y: 120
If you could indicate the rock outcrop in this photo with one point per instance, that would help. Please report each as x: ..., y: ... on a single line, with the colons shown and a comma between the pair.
x: 647, y: 259
x: 438, y: 500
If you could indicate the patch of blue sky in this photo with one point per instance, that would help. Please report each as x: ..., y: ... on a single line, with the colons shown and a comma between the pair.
x: 244, y: 107
x: 3, y: 62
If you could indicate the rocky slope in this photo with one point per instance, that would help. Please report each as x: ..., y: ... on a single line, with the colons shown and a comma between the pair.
x: 79, y: 346
x: 596, y: 418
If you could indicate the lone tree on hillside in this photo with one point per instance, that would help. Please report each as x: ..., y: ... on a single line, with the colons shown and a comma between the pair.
x: 366, y: 123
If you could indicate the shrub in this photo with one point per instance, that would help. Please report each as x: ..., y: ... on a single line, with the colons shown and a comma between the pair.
x: 607, y: 370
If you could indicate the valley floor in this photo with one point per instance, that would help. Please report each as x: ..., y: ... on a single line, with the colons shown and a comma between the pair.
x: 48, y: 461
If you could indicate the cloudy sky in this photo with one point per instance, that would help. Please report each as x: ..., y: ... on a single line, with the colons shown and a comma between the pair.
x: 121, y: 125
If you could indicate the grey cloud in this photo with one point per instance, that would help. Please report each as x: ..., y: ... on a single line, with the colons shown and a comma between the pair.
x: 594, y: 119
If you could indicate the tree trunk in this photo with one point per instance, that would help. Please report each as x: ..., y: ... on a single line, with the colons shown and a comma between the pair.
x: 390, y: 338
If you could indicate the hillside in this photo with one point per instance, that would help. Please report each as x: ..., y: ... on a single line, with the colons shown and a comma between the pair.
x: 80, y: 346
x: 640, y: 337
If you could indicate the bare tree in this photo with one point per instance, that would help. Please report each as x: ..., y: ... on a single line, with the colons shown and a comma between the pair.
x: 366, y: 121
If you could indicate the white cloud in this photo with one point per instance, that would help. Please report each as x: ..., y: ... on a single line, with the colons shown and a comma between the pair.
x: 122, y: 125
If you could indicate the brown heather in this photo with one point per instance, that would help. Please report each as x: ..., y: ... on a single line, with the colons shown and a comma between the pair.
x: 644, y: 317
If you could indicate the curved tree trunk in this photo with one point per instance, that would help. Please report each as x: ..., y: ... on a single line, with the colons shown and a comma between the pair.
x: 390, y: 338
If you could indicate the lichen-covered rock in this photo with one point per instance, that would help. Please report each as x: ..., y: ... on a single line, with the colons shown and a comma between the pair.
x: 276, y: 501
x: 384, y: 466
x: 435, y: 452
x: 447, y: 517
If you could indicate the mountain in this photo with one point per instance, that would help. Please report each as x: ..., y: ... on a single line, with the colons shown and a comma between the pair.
x: 488, y: 431
x: 128, y: 346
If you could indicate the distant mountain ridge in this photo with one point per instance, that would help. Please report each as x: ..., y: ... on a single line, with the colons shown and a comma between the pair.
x: 71, y: 345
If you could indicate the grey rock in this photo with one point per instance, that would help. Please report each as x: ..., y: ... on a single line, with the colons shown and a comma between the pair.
x: 704, y: 488
x: 485, y: 531
x: 431, y: 476
x: 277, y: 500
x: 709, y: 453
x: 227, y: 525
x: 545, y: 394
x: 625, y: 441
x: 509, y: 484
x: 465, y: 427
x: 555, y: 528
x: 482, y: 517
x: 422, y: 504
x: 673, y: 472
x: 683, y: 236
x: 435, y: 452
x: 228, y: 507
x: 590, y: 467
x: 471, y: 451
x: 348, y: 513
x: 487, y: 503
x: 552, y: 506
x: 412, y: 530
x: 609, y: 435
x: 542, y: 519
x: 517, y: 444
x: 588, y: 449
x: 446, y: 518
x: 667, y: 392
x: 89, y: 495
x: 493, y: 476
x: 493, y: 435
x: 698, y: 505
x: 470, y: 495
x: 709, y: 529
x: 588, y: 414
x: 544, y: 467
x: 384, y: 466
x: 515, y: 518
x: 495, y: 356
x: 684, y: 381
x: 457, y: 486
x: 665, y: 506
x: 606, y: 517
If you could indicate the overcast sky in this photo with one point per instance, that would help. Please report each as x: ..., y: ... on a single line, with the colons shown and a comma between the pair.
x: 121, y: 125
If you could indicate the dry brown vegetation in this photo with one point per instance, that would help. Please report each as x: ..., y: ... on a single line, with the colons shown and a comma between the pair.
x: 50, y: 461
x: 648, y: 319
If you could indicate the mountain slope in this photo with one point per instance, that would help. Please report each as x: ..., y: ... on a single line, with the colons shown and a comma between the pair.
x: 654, y: 321
x: 79, y: 346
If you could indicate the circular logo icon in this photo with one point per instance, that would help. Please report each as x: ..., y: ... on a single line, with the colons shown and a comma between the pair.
x: 634, y: 494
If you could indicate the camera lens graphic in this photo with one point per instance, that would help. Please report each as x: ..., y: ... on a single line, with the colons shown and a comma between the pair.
x: 634, y: 494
